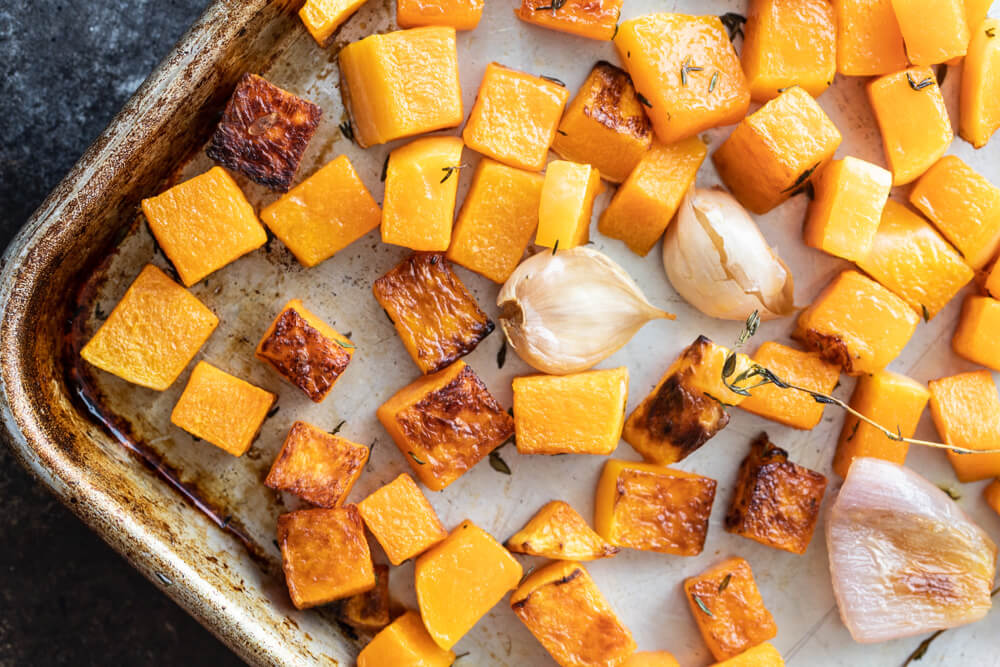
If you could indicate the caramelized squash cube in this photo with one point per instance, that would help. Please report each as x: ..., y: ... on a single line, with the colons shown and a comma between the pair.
x: 203, y: 224
x: 585, y: 18
x: 460, y: 579
x: 686, y: 70
x: 319, y: 467
x: 322, y: 17
x: 402, y: 83
x: 934, y: 31
x: 651, y: 508
x: 323, y: 214
x: 869, y: 42
x: 325, y: 555
x: 401, y: 519
x: 405, y: 642
x: 978, y: 116
x: 966, y: 412
x: 732, y: 617
x: 305, y: 350
x: 565, y: 611
x: 221, y: 409
x: 857, y: 324
x: 435, y: 315
x: 567, y: 204
x: 978, y: 332
x: 368, y: 611
x: 651, y: 659
x: 445, y: 423
x: 458, y: 14
x: 788, y: 406
x: 514, y: 118
x: 646, y: 202
x: 762, y: 655
x: 992, y: 495
x: 776, y: 502
x: 777, y: 150
x: 497, y: 220
x: 558, y: 532
x: 153, y: 333
x: 604, y: 125
x: 582, y: 413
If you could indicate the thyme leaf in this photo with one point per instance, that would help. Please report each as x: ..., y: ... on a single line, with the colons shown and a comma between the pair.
x: 336, y: 429
x: 554, y: 5
x: 918, y: 85
x: 451, y: 169
x: 701, y: 605
x: 991, y: 32
x: 713, y: 82
x: 729, y: 367
x: 498, y: 463
x: 749, y: 328
x: 803, y: 177
x: 950, y: 491
x: 558, y: 82
x: 345, y: 344
x: 854, y: 431
x: 927, y: 316
x: 555, y: 246
x: 686, y: 67
x: 725, y: 582
x: 734, y: 24
x: 385, y: 167
x: 502, y: 353
x: 642, y: 100
x: 415, y: 459
x: 347, y: 130
x: 562, y: 133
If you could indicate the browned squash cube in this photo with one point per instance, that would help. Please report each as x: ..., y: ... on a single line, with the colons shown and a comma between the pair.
x: 435, y: 315
x: 263, y: 132
x: 317, y: 466
x: 369, y: 611
x: 776, y: 501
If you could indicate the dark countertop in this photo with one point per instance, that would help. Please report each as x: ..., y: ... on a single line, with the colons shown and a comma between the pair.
x: 65, y: 596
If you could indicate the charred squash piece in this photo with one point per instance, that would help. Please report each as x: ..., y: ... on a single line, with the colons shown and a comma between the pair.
x: 558, y: 532
x: 368, y: 611
x: 405, y: 642
x: 596, y: 19
x: 401, y: 519
x: 317, y: 466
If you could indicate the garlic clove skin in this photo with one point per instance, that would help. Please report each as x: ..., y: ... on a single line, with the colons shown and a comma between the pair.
x: 717, y: 259
x: 565, y: 312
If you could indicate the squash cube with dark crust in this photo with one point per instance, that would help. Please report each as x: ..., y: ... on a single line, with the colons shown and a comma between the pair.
x: 435, y: 315
x: 445, y: 423
x: 369, y: 611
x: 263, y: 132
x: 305, y: 350
x: 776, y: 502
x: 317, y: 466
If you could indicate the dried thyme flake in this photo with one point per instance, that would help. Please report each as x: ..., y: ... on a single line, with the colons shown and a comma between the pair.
x: 713, y: 82
x: 927, y: 315
x: 385, y: 167
x: 502, y: 353
x: 558, y: 82
x: 642, y: 100
x: 451, y: 170
x: 347, y: 130
x: 336, y: 429
x: 800, y: 181
x: 412, y: 456
x: 725, y: 582
x: 918, y: 85
x: 734, y: 24
x: 686, y: 67
x: 498, y: 463
x: 555, y: 246
x: 701, y: 605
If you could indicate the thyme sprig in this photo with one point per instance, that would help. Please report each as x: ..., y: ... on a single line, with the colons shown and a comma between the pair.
x: 734, y: 24
x: 921, y: 649
x: 452, y: 169
x: 686, y: 67
x: 918, y: 85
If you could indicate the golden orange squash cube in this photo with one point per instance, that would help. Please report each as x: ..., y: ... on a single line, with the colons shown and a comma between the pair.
x: 203, y: 224
x: 869, y: 41
x: 497, y: 220
x: 368, y: 611
x: 651, y: 659
x: 459, y: 14
x: 322, y: 17
x: 965, y: 207
x: 845, y: 214
x: 857, y: 324
x: 558, y: 532
x: 325, y: 555
x: 221, y: 409
x: 966, y: 412
x: 732, y: 617
x: 686, y: 72
x: 934, y: 31
x: 978, y: 116
x: 978, y: 332
x: 460, y: 579
x: 319, y: 467
x: 605, y: 125
x: 992, y: 495
x: 402, y: 83
x: 567, y: 204
x: 401, y: 519
x: 153, y: 333
x: 405, y: 641
x: 913, y: 119
x: 975, y: 12
x: 323, y: 214
x: 646, y: 202
x: 445, y: 423
x: 652, y: 508
x: 762, y: 655
x: 777, y: 150
x: 514, y: 118
x: 789, y: 406
x: 585, y: 18
x: 565, y: 611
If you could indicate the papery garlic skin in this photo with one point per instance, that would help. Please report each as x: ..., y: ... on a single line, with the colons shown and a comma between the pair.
x: 564, y: 312
x: 717, y: 259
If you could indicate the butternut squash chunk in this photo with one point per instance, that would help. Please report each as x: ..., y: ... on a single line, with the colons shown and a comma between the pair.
x: 558, y: 532
x: 322, y: 18
x: 934, y: 31
x: 762, y: 655
x: 966, y: 412
x: 992, y: 495
x: 567, y: 204
x: 652, y: 659
x: 459, y: 14
x: 788, y: 406
x: 975, y: 13
x: 401, y: 519
x: 368, y: 611
x: 979, y: 331
x: 869, y: 41
x: 978, y: 115
x: 585, y: 18
x: 319, y: 467
x: 405, y: 642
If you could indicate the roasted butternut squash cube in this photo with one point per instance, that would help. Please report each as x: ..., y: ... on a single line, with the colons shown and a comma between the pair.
x: 789, y: 43
x: 686, y: 72
x: 789, y: 406
x: 563, y: 608
x: 405, y: 642
x: 604, y: 125
x: 460, y: 579
x: 585, y: 18
x: 319, y: 467
x: 497, y: 220
x: 992, y: 495
x: 436, y: 317
x: 845, y: 214
x: 731, y: 617
x: 420, y: 186
x: 869, y: 41
x: 325, y: 555
x: 322, y: 17
x: 558, y: 532
x: 891, y: 400
x: 263, y: 132
x: 857, y: 324
x: 203, y: 224
x: 514, y: 118
x: 652, y: 508
x: 964, y: 206
x: 966, y: 412
x: 402, y: 83
x: 459, y: 14
x: 582, y: 413
x: 651, y: 659
x: 978, y: 116
x: 646, y: 202
x: 153, y: 333
x: 913, y: 120
x: 445, y: 423
x: 687, y: 407
x: 975, y: 12
x: 762, y: 655
x: 978, y: 332
x: 368, y: 611
x: 912, y: 260
x: 305, y: 350
x: 934, y: 31
x: 401, y: 519
x: 776, y: 502
x: 567, y: 204
x: 777, y: 150
x: 323, y: 214
x: 222, y: 409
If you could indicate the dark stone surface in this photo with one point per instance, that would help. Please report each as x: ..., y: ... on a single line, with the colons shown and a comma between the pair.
x: 65, y: 597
